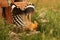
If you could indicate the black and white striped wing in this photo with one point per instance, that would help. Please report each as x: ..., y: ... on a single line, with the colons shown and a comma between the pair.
x: 18, y: 20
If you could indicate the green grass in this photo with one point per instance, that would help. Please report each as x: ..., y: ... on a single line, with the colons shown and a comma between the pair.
x: 4, y: 29
x: 50, y: 30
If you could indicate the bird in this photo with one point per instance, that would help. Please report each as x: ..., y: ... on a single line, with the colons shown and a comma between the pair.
x: 17, y: 19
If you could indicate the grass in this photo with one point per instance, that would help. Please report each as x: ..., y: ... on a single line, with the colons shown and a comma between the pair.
x: 4, y: 29
x: 48, y: 17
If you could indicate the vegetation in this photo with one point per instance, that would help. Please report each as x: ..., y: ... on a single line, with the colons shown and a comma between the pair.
x: 47, y: 14
x: 4, y: 29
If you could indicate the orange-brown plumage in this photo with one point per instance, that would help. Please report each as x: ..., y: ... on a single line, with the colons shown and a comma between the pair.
x: 32, y: 26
